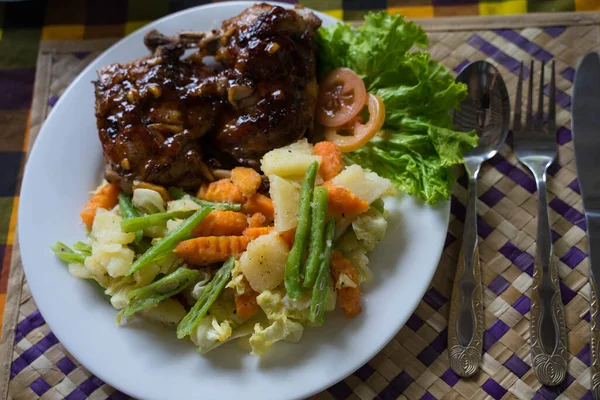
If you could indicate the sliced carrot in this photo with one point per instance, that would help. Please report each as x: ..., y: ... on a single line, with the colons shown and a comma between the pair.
x: 222, y: 190
x: 347, y: 297
x: 332, y: 162
x: 105, y: 197
x: 207, y: 250
x: 221, y: 223
x: 259, y: 203
x: 246, y: 305
x: 246, y: 179
x: 257, y: 220
x: 253, y: 233
x: 288, y: 237
x: 344, y: 203
x: 157, y: 188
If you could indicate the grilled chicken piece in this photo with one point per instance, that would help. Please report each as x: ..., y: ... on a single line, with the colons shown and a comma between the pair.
x: 162, y: 119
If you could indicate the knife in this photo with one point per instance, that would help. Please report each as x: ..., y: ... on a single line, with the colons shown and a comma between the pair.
x: 586, y: 142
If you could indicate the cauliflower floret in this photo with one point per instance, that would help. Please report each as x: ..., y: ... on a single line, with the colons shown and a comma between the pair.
x: 148, y: 201
x: 184, y: 204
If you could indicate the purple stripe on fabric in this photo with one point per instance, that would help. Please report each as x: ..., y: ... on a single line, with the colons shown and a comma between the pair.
x: 90, y: 385
x: 554, y: 31
x: 47, y: 342
x: 389, y: 393
x: 575, y: 186
x: 18, y: 337
x: 17, y: 366
x: 587, y: 316
x: 39, y: 386
x: 16, y: 88
x: 483, y: 229
x: 553, y: 392
x: 31, y: 354
x: 428, y: 396
x: 553, y: 168
x: 492, y: 197
x: 81, y: 54
x: 76, y: 394
x: 434, y: 298
x: 428, y: 356
x: 517, y: 366
x: 563, y: 135
x: 449, y: 240
x: 450, y: 377
x: 587, y: 396
x: 35, y: 320
x: 495, y: 53
x: 415, y: 322
x: 568, y: 74
x: 118, y: 396
x: 538, y: 396
x: 567, y: 212
x: 499, y: 285
x: 521, y: 259
x: 493, y: 389
x: 584, y: 354
x: 364, y: 372
x: 555, y: 235
x: 525, y: 44
x: 498, y: 329
x: 66, y: 365
x: 340, y: 390
x: 52, y: 101
x: 517, y: 175
x: 457, y: 209
x: 566, y: 293
x: 461, y: 66
x: 522, y: 305
x: 402, y: 381
x: 440, y: 342
x: 562, y: 99
x: 573, y: 257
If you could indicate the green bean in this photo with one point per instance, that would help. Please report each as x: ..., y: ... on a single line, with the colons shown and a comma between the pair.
x: 66, y: 254
x: 321, y: 289
x: 147, y: 221
x: 296, y: 255
x: 319, y: 212
x: 206, y: 299
x: 178, y: 194
x: 170, y: 241
x: 128, y: 211
x: 83, y: 248
x: 160, y: 290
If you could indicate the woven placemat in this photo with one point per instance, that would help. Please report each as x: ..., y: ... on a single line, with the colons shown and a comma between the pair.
x: 414, y: 364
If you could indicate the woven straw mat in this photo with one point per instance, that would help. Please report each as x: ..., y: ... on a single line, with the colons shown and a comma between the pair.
x: 414, y: 364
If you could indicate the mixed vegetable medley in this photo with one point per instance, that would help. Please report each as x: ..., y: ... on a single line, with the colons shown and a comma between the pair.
x: 260, y: 255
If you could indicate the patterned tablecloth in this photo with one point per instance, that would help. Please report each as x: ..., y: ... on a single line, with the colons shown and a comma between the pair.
x: 415, y: 364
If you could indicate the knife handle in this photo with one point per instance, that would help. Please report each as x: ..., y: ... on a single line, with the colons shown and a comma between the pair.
x: 466, y: 304
x: 594, y: 341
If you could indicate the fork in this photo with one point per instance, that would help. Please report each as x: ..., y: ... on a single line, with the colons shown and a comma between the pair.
x: 535, y: 147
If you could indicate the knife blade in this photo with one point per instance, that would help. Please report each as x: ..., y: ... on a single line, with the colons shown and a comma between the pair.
x: 586, y: 143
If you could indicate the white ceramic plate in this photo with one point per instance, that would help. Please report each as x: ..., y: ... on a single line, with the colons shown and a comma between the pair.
x: 148, y: 362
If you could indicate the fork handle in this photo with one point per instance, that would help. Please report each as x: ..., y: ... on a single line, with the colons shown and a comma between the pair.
x: 465, y: 322
x: 548, y: 333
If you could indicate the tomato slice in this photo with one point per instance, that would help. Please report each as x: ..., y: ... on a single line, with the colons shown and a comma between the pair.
x: 362, y: 132
x: 341, y: 97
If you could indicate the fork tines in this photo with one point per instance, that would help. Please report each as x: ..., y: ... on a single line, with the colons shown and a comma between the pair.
x: 530, y: 124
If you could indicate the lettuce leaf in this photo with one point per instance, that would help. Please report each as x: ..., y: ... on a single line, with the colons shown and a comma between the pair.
x: 418, y: 145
